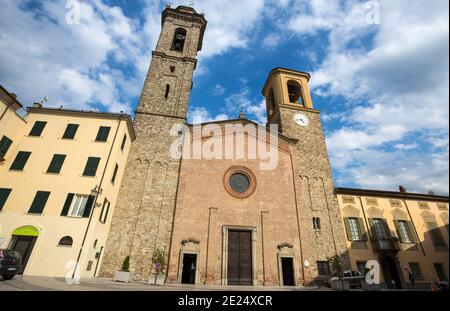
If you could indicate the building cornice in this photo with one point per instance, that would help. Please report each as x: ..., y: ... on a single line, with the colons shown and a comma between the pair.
x: 391, y: 194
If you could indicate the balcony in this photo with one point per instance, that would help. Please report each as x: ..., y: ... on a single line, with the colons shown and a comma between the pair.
x: 386, y: 245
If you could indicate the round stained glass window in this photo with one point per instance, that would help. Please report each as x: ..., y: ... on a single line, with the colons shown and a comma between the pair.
x: 239, y: 182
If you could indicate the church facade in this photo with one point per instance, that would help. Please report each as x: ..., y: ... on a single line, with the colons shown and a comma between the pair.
x: 225, y: 203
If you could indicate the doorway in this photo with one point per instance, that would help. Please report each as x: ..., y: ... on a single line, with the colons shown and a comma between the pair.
x: 189, y: 269
x: 239, y: 258
x: 391, y: 273
x: 287, y: 269
x: 24, y: 246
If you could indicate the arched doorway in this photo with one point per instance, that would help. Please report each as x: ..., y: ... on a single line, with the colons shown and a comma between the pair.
x: 22, y: 241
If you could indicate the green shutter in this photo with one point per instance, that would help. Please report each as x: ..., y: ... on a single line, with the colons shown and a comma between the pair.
x: 70, y: 132
x: 56, y: 163
x: 400, y: 234
x: 103, y: 133
x: 386, y: 229
x: 362, y: 229
x: 347, y: 229
x: 20, y: 161
x: 412, y: 232
x: 89, y: 205
x: 5, y: 143
x: 91, y: 166
x: 37, y: 129
x: 123, y: 142
x: 67, y: 204
x: 38, y: 205
x: 4, y: 194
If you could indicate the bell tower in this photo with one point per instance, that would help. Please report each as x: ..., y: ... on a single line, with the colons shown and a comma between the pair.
x: 142, y: 221
x: 289, y: 105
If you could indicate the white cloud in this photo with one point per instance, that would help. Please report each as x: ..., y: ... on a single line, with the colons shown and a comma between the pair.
x: 218, y: 90
x: 396, y: 89
x: 198, y: 115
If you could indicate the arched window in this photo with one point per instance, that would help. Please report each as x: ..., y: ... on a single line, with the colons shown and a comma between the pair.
x: 66, y: 241
x: 316, y: 223
x: 295, y: 92
x: 178, y: 39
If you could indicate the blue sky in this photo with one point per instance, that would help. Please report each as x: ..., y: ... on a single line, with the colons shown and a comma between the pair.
x: 380, y: 70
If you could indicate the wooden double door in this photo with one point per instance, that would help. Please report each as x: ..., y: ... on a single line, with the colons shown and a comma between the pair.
x: 240, y: 259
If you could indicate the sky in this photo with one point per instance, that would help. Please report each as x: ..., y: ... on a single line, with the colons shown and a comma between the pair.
x: 380, y: 70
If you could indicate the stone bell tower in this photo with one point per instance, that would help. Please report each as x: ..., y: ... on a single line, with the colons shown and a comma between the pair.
x: 289, y: 106
x: 143, y: 216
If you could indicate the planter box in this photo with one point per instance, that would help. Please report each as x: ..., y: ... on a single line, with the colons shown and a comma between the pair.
x: 337, y: 285
x: 157, y: 279
x: 122, y: 276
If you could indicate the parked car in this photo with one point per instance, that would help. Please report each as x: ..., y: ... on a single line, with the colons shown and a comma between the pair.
x: 10, y: 264
x: 354, y: 278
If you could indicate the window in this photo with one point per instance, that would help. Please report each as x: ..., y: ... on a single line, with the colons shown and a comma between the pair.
x: 295, y: 94
x: 124, y: 141
x: 56, y: 164
x: 166, y: 96
x: 179, y: 39
x: 91, y: 167
x: 323, y: 268
x: 116, y: 168
x: 239, y: 182
x: 66, y: 241
x: 105, y: 211
x: 316, y: 223
x: 361, y: 267
x: 172, y: 69
x: 20, y: 161
x: 355, y: 229
x: 5, y: 143
x: 439, y: 267
x: 405, y: 231
x: 435, y: 233
x: 37, y: 129
x: 4, y: 194
x: 78, y: 205
x: 415, y: 270
x: 70, y: 131
x: 379, y: 228
x: 38, y: 205
x: 103, y: 133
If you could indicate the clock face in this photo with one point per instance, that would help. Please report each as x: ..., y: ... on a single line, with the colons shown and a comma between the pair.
x: 301, y: 120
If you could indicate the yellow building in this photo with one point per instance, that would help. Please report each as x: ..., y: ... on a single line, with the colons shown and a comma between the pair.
x: 60, y: 173
x: 407, y: 233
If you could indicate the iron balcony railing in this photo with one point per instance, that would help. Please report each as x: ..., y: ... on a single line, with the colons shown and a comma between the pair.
x: 386, y: 244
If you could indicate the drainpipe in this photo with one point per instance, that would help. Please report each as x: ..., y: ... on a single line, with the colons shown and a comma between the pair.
x: 369, y: 233
x: 298, y: 220
x: 414, y: 226
x: 96, y: 197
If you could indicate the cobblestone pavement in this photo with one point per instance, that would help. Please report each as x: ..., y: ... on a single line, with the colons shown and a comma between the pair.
x: 34, y: 283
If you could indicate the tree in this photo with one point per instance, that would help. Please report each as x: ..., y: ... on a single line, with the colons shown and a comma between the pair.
x: 126, y: 264
x: 159, y: 259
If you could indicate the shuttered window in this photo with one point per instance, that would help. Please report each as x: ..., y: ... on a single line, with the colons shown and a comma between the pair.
x: 20, y: 161
x: 4, y: 194
x: 103, y: 133
x: 116, y: 168
x: 379, y: 228
x: 439, y: 267
x: 91, y: 167
x: 416, y: 270
x: 435, y: 234
x: 38, y: 205
x: 405, y: 231
x: 78, y: 205
x: 71, y: 131
x: 323, y: 268
x: 38, y: 128
x: 56, y: 164
x: 124, y: 141
x: 67, y: 204
x: 355, y: 229
x: 5, y: 143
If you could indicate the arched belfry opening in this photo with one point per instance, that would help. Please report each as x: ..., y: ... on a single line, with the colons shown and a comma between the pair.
x: 178, y: 39
x: 295, y: 93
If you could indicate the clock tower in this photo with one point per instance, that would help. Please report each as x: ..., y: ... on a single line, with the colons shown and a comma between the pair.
x: 289, y: 106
